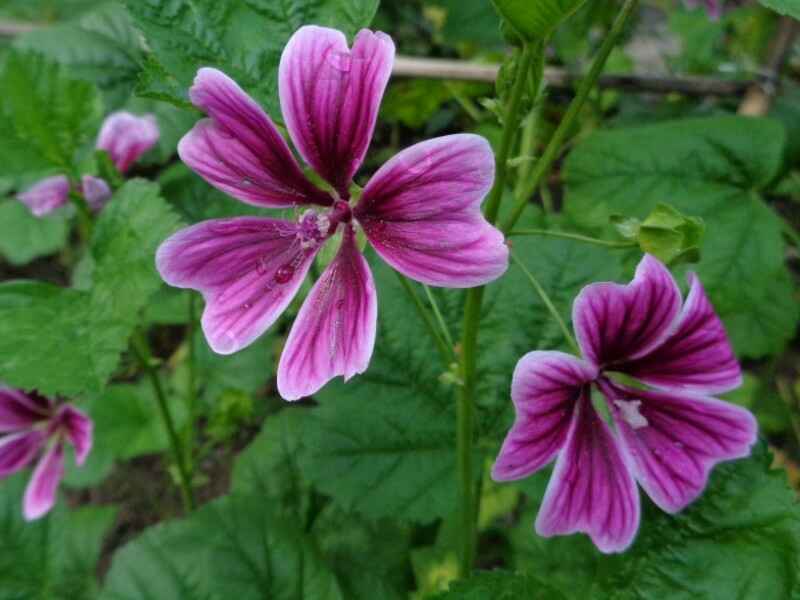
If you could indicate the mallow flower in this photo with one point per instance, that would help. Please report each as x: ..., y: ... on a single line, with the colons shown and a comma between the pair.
x: 32, y: 427
x: 125, y: 136
x: 668, y: 431
x: 420, y: 211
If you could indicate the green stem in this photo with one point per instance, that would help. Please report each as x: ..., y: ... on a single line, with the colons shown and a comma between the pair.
x: 438, y: 314
x: 527, y: 147
x: 142, y: 352
x: 557, y: 141
x: 445, y: 351
x: 191, y: 396
x: 576, y: 237
x: 466, y: 103
x: 465, y: 405
x: 85, y: 223
x: 548, y: 303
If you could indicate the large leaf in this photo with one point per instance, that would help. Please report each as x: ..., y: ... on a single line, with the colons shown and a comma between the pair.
x: 536, y: 20
x: 243, y: 38
x: 101, y: 47
x: 711, y: 168
x: 741, y: 539
x: 64, y: 341
x: 235, y: 547
x: 500, y: 585
x: 54, y: 557
x: 785, y: 7
x: 24, y: 237
x: 44, y: 116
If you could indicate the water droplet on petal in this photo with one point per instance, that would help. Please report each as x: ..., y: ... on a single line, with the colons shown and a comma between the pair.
x: 246, y: 306
x: 247, y: 182
x: 261, y: 265
x: 284, y: 274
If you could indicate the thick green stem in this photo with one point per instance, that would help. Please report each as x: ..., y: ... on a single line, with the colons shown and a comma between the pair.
x: 142, y: 352
x: 557, y: 141
x: 430, y: 324
x: 575, y: 236
x: 548, y: 303
x: 465, y: 406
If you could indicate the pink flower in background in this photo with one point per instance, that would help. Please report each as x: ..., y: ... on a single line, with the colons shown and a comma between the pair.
x: 125, y: 137
x: 46, y: 195
x: 713, y: 7
x: 420, y: 211
x: 669, y: 432
x: 33, y: 426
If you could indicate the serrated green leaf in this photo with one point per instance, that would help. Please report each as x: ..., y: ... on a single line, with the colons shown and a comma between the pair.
x: 234, y: 547
x: 711, y: 168
x: 65, y: 341
x: 243, y: 38
x: 784, y: 7
x: 54, y: 557
x: 24, y: 237
x: 43, y: 114
x: 101, y: 47
x: 536, y: 20
x: 741, y: 539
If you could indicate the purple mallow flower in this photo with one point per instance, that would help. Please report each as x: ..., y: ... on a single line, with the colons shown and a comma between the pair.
x: 420, y: 211
x: 124, y: 136
x: 713, y: 7
x: 669, y: 432
x: 33, y: 426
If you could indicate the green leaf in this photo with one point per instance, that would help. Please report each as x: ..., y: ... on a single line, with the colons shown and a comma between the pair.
x: 536, y: 20
x: 43, y: 115
x: 712, y: 168
x: 234, y: 547
x: 65, y: 341
x: 101, y: 47
x: 784, y: 7
x: 500, y: 585
x: 243, y: 38
x: 24, y: 237
x: 54, y: 557
x: 741, y: 539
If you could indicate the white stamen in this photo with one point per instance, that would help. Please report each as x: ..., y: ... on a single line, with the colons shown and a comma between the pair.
x: 630, y: 413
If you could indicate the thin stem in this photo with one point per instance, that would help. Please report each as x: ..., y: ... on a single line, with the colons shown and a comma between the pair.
x: 557, y: 141
x: 142, y: 352
x: 445, y: 351
x: 438, y: 314
x: 191, y: 395
x: 466, y: 103
x: 465, y: 404
x: 576, y: 237
x: 527, y: 147
x: 85, y: 223
x: 548, y: 303
x: 510, y: 133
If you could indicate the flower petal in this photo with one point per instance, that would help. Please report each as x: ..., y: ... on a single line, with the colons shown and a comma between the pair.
x: 96, y: 192
x: 20, y: 411
x: 677, y: 439
x: 421, y: 212
x: 592, y: 489
x: 248, y: 269
x: 616, y: 323
x: 40, y: 494
x: 697, y: 356
x: 330, y: 97
x: 78, y: 427
x: 545, y: 389
x: 334, y: 333
x: 17, y: 450
x: 46, y: 195
x: 126, y: 137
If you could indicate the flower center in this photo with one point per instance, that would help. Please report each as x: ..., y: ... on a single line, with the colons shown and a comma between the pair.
x: 630, y: 413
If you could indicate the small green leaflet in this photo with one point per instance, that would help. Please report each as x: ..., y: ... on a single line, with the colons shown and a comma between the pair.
x: 65, y: 341
x: 714, y: 169
x: 243, y: 38
x: 24, y: 237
